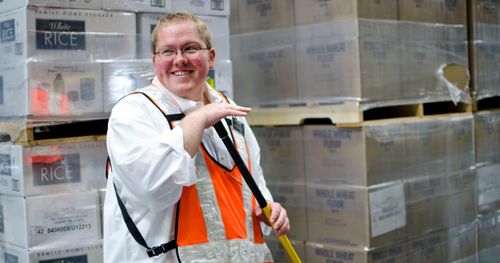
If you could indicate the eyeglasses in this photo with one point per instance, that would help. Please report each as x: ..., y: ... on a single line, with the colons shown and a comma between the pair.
x: 171, y: 53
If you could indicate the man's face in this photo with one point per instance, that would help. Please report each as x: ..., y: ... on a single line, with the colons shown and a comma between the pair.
x: 183, y: 74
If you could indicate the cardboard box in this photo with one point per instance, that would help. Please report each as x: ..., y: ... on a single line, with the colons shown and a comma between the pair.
x: 363, y: 156
x: 265, y: 72
x: 203, y: 7
x: 488, y: 233
x: 439, y: 202
x: 486, y: 60
x: 488, y: 181
x: 425, y: 147
x: 485, y: 11
x: 326, y: 253
x: 419, y: 60
x: 219, y: 27
x: 264, y: 15
x: 434, y: 11
x: 160, y: 6
x: 279, y: 253
x: 292, y: 196
x: 51, y: 34
x: 314, y: 11
x: 282, y: 152
x: 456, y: 244
x: 487, y: 137
x: 460, y: 154
x: 345, y: 60
x: 356, y: 216
x: 282, y: 161
x: 7, y: 5
x: 51, y: 89
x: 30, y: 223
x: 79, y: 252
x: 59, y: 168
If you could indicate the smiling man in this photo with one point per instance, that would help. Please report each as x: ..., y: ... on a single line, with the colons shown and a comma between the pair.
x: 171, y: 174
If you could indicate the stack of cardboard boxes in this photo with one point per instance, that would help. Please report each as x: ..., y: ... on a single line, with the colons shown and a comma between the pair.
x: 63, y: 63
x: 390, y: 190
x: 380, y: 52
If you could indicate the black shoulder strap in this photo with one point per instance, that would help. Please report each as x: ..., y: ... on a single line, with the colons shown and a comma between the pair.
x: 132, y: 228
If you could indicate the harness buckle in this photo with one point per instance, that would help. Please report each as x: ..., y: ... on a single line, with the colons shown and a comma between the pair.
x: 158, y: 250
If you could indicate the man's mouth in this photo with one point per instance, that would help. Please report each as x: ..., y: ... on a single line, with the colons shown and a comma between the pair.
x: 182, y: 73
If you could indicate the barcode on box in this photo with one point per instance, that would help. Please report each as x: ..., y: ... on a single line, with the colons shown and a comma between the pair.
x: 158, y: 3
x: 217, y: 5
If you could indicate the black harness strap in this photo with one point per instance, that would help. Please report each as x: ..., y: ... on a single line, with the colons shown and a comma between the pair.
x: 132, y: 228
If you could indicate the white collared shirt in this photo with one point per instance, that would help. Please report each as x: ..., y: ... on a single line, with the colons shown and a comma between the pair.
x: 150, y: 167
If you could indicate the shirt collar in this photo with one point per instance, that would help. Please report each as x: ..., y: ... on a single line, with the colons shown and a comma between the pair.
x: 186, y: 105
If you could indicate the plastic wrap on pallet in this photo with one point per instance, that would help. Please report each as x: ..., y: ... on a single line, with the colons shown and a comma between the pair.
x: 378, y: 62
x: 31, y: 223
x: 7, y: 5
x: 250, y: 16
x: 76, y: 252
x: 199, y: 7
x: 55, y: 34
x: 311, y: 11
x: 50, y: 169
x: 487, y: 137
x: 487, y: 60
x: 489, y: 237
x: 160, y: 6
x: 325, y: 253
x: 454, y: 244
x: 488, y: 183
x: 122, y: 76
x: 389, y: 180
x: 51, y: 89
x: 283, y: 165
x: 264, y: 72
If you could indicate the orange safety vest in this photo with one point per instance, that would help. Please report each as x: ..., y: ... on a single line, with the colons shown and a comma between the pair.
x: 215, y: 221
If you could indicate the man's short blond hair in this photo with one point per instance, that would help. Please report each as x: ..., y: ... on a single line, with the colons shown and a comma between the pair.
x: 203, y: 29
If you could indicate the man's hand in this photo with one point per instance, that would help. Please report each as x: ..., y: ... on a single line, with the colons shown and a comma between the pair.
x: 195, y: 122
x: 279, y: 218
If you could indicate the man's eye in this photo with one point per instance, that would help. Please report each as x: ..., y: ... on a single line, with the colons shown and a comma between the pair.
x: 190, y: 50
x: 168, y: 52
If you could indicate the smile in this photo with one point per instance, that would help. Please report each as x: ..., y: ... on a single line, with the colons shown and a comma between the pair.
x: 183, y: 73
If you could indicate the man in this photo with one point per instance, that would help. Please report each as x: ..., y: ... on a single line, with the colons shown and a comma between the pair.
x: 170, y: 170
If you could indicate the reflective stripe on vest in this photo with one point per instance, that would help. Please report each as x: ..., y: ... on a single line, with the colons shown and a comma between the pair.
x: 223, y: 228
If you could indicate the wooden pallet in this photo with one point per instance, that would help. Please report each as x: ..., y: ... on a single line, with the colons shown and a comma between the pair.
x: 29, y: 132
x: 347, y: 114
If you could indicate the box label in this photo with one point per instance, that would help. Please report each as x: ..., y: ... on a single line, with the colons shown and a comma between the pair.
x: 56, y: 169
x: 217, y: 5
x: 75, y: 259
x: 5, y: 165
x: 158, y: 3
x: 387, y: 210
x: 60, y: 34
x: 8, y: 258
x: 7, y: 31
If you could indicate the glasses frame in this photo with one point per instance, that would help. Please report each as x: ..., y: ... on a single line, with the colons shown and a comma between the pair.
x: 185, y: 52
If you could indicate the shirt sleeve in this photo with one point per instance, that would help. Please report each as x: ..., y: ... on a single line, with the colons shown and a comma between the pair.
x: 149, y: 163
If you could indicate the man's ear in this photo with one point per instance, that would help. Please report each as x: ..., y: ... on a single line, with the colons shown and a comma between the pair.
x: 211, y: 57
